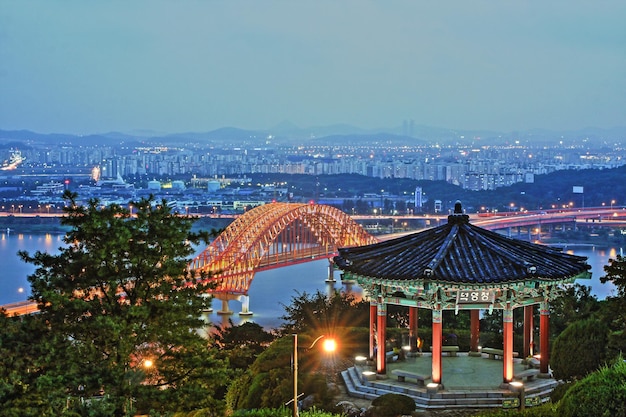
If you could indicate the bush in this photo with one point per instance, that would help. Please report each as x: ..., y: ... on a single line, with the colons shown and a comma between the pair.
x: 544, y: 410
x: 579, y: 350
x: 391, y: 405
x: 602, y: 394
x: 268, y: 383
x: 264, y: 412
x: 280, y: 412
x: 558, y: 392
x: 491, y: 339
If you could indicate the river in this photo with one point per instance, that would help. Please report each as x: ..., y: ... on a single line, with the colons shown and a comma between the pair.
x: 269, y: 291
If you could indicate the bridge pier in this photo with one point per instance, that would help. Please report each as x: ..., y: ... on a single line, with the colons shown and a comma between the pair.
x: 225, y: 310
x: 208, y: 308
x: 245, y: 305
x: 331, y: 271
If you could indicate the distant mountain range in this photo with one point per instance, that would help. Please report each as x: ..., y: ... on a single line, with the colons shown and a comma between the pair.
x: 287, y: 133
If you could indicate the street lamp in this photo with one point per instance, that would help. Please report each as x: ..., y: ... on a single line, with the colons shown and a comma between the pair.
x: 329, y: 345
x: 518, y: 387
x: 136, y: 375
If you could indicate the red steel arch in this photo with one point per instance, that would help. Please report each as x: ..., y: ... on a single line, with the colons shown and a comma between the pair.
x: 273, y: 235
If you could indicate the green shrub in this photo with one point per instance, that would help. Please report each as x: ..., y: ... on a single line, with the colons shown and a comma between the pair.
x: 491, y: 339
x: 579, y: 350
x: 264, y: 412
x: 616, y: 343
x: 462, y: 338
x: 391, y: 405
x: 601, y: 393
x: 544, y: 410
x: 281, y: 412
x: 205, y: 412
x: 558, y: 392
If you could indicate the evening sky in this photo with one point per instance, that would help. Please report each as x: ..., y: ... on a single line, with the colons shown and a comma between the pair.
x: 176, y: 66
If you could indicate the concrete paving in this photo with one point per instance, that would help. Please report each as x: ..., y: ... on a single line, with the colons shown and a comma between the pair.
x: 459, y: 372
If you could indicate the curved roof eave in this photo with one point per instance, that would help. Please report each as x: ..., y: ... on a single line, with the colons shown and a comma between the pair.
x: 461, y: 254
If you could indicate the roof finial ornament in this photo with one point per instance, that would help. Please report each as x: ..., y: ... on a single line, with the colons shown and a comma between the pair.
x: 458, y: 217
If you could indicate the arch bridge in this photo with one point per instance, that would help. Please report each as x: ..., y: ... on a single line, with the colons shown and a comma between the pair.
x: 272, y: 236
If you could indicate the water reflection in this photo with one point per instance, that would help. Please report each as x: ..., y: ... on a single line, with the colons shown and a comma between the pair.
x: 270, y: 291
x: 597, y: 258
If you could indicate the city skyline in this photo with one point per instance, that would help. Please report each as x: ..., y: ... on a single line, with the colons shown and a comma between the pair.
x: 197, y: 66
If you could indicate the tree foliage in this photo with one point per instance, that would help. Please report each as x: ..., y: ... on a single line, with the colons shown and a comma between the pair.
x: 338, y: 315
x: 575, y: 303
x: 242, y: 344
x: 602, y: 394
x: 117, y: 298
x: 580, y: 349
x: 614, y: 312
x: 322, y: 313
x: 616, y: 274
x: 268, y: 383
x: 29, y: 373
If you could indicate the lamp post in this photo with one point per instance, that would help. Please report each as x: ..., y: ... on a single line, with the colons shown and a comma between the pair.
x: 329, y: 346
x: 136, y: 377
x: 518, y: 388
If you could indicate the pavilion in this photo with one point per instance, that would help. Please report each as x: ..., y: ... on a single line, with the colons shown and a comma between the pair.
x: 459, y: 266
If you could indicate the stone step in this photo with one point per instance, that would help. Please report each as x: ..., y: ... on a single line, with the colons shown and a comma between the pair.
x: 359, y: 386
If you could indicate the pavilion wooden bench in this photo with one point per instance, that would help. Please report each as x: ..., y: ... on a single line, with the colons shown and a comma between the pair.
x: 451, y: 350
x: 527, y: 374
x: 402, y: 375
x: 532, y: 363
x: 492, y: 352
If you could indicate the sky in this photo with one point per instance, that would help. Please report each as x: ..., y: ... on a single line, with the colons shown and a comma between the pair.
x: 90, y: 66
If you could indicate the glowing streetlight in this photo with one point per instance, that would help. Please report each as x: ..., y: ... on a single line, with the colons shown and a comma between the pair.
x: 329, y: 345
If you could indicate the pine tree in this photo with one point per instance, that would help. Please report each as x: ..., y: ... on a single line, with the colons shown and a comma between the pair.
x: 121, y: 300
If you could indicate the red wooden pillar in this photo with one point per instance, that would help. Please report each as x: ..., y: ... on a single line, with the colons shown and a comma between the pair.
x: 544, y: 337
x: 381, y: 326
x: 413, y: 328
x: 507, y: 369
x: 474, y: 330
x: 372, y: 328
x: 529, y: 337
x: 413, y: 316
x: 437, y: 341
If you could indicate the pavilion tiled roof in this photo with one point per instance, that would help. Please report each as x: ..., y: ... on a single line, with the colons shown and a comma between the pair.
x: 460, y: 253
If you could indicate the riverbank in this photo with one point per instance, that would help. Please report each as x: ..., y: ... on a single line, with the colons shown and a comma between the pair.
x: 52, y: 225
x: 32, y: 225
